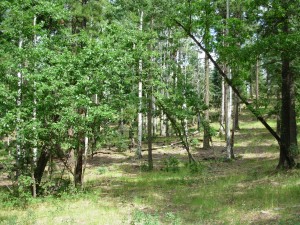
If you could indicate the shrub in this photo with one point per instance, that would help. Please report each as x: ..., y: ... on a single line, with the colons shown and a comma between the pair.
x: 144, y: 167
x: 171, y: 164
x: 194, y: 142
x: 194, y: 167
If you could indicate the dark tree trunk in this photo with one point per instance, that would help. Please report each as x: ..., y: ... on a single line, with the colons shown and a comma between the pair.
x: 78, y: 172
x: 236, y: 125
x: 40, y: 167
x: 168, y: 129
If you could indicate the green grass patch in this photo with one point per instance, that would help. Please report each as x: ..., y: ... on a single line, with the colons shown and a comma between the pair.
x: 247, y: 190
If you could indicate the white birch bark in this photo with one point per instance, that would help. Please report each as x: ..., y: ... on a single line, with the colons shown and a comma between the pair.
x: 222, y: 113
x: 228, y: 106
x: 184, y: 106
x: 19, y: 103
x: 34, y: 149
x: 228, y: 115
x: 140, y: 95
x: 34, y: 103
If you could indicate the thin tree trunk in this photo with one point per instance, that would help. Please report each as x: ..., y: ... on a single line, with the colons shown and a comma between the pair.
x: 206, y: 137
x: 222, y: 113
x: 34, y: 150
x: 149, y: 128
x: 154, y: 119
x: 121, y: 127
x: 198, y: 91
x: 257, y: 82
x: 19, y: 104
x: 236, y: 125
x: 185, y: 121
x: 251, y: 88
x: 86, y: 148
x: 34, y: 103
x: 140, y: 94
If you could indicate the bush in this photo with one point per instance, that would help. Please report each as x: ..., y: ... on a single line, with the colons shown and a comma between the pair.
x: 58, y: 187
x: 171, y: 164
x: 121, y: 146
x: 144, y: 167
x: 194, y: 167
x: 194, y: 142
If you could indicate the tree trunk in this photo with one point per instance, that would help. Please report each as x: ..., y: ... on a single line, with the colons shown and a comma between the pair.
x: 150, y: 123
x: 199, y: 90
x: 288, y: 143
x: 228, y: 113
x: 228, y: 105
x: 34, y: 103
x: 86, y: 149
x: 34, y: 149
x: 257, y: 83
x: 278, y: 113
x: 78, y: 171
x: 222, y: 113
x: 140, y: 94
x: 19, y: 103
x: 236, y: 125
x: 121, y: 123
x: 206, y: 137
x: 149, y: 128
x: 40, y: 167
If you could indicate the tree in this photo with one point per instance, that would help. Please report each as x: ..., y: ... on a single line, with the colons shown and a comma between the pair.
x: 281, y: 22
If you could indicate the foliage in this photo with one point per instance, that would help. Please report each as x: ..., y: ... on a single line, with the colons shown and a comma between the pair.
x: 145, y: 167
x: 195, y: 142
x: 195, y: 167
x: 69, y: 72
x: 171, y: 164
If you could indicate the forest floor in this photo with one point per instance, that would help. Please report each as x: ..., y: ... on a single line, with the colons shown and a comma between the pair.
x: 119, y: 190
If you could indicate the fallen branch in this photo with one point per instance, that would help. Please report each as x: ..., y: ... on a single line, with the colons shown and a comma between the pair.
x: 97, y: 152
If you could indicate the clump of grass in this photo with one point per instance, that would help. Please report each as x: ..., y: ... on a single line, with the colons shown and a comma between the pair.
x: 172, y: 218
x: 102, y: 169
x: 139, y: 218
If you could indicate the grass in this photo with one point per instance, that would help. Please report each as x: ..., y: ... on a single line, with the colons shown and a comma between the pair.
x: 243, y: 191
